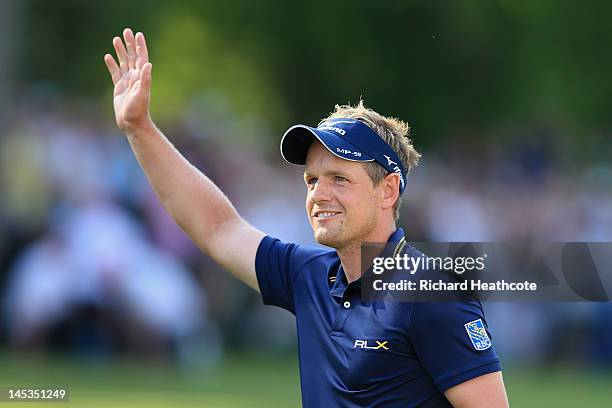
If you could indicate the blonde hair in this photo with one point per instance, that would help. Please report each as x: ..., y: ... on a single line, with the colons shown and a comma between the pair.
x: 395, y: 132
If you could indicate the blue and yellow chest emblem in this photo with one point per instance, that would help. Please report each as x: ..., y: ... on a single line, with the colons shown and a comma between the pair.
x: 478, y: 335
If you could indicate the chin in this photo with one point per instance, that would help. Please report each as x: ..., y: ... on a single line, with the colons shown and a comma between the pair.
x: 326, y: 238
x: 332, y: 239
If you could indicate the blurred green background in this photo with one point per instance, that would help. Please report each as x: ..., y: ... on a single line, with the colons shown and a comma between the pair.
x: 468, y: 68
x: 508, y: 100
x: 251, y: 381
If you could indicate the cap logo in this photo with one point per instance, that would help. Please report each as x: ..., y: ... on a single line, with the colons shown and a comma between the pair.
x: 389, y: 161
x: 334, y: 129
x: 346, y: 151
x: 396, y: 169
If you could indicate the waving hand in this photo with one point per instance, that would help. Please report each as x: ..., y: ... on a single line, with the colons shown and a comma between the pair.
x: 132, y: 80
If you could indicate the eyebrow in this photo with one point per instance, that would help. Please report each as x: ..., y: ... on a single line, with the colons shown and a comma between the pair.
x: 333, y: 172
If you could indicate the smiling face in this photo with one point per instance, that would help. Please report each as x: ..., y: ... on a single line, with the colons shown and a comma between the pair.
x: 343, y: 205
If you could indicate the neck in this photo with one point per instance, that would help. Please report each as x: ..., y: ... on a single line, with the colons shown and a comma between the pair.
x: 350, y: 255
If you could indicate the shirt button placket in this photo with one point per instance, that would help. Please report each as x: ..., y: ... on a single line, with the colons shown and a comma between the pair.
x: 342, y: 315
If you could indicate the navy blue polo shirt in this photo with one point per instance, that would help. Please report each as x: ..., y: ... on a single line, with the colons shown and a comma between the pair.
x: 354, y: 353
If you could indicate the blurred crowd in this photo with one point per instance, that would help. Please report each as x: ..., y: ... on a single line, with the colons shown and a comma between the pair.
x: 91, y: 263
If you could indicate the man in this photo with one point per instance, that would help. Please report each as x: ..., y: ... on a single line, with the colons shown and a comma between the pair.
x: 352, y: 353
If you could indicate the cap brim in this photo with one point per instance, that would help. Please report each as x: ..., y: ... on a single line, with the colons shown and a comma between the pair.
x: 297, y: 139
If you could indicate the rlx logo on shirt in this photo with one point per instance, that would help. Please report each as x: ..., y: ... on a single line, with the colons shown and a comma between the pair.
x: 364, y: 345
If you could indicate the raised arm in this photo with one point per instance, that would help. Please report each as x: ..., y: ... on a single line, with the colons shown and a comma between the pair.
x: 197, y: 205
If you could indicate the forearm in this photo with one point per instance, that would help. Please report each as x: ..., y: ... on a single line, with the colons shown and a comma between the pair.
x: 195, y: 202
x: 197, y: 205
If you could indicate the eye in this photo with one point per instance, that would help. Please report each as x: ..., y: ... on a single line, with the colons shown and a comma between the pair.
x: 340, y: 179
x: 311, y: 181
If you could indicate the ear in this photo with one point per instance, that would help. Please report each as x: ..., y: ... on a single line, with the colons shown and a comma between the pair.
x: 390, y: 190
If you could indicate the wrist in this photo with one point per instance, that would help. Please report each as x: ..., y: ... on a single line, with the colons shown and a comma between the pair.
x: 136, y: 128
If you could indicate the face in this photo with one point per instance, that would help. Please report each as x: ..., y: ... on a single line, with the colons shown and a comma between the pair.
x: 342, y: 204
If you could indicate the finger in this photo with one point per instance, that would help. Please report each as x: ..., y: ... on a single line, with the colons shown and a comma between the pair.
x: 132, y: 77
x: 145, y: 76
x: 128, y: 35
x: 121, y: 54
x: 142, y: 54
x: 113, y: 68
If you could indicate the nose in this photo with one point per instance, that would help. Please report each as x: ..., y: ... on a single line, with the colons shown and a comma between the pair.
x: 321, y: 192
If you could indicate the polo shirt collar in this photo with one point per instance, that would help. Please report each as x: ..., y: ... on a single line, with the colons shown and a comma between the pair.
x: 339, y: 284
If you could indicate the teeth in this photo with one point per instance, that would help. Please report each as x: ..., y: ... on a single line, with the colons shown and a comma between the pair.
x: 325, y: 214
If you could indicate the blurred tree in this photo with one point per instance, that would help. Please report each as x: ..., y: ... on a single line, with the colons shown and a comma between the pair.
x: 455, y: 68
x: 10, y: 42
x: 190, y: 56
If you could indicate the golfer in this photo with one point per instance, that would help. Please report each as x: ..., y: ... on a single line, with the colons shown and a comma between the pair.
x: 352, y: 353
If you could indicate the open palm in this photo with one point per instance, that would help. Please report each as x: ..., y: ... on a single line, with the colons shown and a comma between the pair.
x: 132, y: 79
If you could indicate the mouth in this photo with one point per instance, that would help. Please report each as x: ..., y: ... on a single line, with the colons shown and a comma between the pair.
x: 325, y: 215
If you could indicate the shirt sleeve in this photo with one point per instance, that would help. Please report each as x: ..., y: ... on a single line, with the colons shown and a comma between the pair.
x: 452, y: 341
x: 277, y: 265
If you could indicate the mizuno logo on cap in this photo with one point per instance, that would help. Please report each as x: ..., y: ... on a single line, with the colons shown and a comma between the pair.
x: 389, y: 161
x: 395, y: 168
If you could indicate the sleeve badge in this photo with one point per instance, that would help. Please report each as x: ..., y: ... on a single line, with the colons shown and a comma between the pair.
x: 478, y: 335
